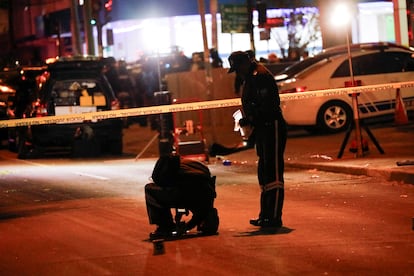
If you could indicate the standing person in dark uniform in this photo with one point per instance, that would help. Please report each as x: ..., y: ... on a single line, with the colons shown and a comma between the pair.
x: 260, y: 103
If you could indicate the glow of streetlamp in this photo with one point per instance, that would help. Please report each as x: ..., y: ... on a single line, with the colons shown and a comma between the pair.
x: 341, y: 15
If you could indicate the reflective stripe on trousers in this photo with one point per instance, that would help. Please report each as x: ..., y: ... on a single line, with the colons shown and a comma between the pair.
x: 277, y: 184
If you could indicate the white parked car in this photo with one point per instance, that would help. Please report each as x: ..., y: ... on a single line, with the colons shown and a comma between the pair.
x: 375, y: 65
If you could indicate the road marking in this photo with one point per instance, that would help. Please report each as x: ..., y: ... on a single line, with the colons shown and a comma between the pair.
x: 49, y: 166
x: 91, y: 175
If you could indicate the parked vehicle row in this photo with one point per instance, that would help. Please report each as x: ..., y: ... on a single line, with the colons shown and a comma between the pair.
x: 67, y: 86
x: 374, y: 63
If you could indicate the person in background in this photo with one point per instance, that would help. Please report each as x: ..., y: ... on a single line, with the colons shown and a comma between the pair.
x: 148, y: 82
x: 197, y: 61
x: 216, y: 61
x: 261, y: 108
x: 272, y: 58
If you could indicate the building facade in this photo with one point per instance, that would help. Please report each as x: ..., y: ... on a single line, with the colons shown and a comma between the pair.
x: 39, y: 29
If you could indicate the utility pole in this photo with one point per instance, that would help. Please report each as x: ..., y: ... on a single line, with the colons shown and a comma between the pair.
x: 401, y: 24
x: 213, y: 11
x: 100, y: 21
x: 250, y: 22
x: 96, y: 17
x: 75, y: 25
x: 12, y: 40
x: 99, y: 37
x: 87, y: 17
x: 207, y: 64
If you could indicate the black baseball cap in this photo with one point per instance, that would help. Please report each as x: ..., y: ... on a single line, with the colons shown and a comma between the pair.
x: 237, y: 58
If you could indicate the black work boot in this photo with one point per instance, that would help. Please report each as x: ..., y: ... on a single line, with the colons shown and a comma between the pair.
x: 271, y: 205
x: 162, y: 232
x: 265, y: 223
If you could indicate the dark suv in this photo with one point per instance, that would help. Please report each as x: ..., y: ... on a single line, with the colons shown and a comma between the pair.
x: 72, y: 86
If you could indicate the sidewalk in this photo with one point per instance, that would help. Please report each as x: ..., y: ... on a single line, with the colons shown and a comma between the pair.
x: 318, y: 152
x: 385, y: 167
x: 380, y: 167
x: 321, y: 153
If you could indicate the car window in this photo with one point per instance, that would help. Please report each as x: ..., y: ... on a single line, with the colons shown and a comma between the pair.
x: 299, y: 66
x: 408, y: 63
x: 302, y: 65
x: 78, y: 92
x: 304, y: 73
x: 376, y: 63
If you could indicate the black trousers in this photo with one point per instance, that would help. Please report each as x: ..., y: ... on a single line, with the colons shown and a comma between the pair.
x: 270, y: 147
x: 159, y: 201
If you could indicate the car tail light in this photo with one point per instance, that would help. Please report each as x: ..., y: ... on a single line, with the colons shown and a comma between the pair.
x: 294, y: 90
x: 115, y: 104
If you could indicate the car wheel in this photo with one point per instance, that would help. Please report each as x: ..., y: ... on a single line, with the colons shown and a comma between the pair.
x: 334, y: 116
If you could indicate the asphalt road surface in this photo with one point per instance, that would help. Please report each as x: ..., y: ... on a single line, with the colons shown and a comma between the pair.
x: 87, y: 217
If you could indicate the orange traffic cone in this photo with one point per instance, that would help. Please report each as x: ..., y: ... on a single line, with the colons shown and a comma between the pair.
x: 400, y: 111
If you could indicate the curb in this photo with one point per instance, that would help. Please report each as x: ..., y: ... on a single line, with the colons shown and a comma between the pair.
x: 387, y: 174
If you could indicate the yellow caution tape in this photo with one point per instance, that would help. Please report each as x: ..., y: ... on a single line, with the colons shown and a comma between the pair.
x: 111, y: 114
x: 345, y: 90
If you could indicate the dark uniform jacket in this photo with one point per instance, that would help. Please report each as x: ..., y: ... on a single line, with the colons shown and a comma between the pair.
x: 260, y: 98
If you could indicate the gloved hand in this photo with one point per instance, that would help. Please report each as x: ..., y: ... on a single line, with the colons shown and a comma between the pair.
x: 244, y: 122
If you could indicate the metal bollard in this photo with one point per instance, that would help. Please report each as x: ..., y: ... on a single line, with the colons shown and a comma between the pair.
x: 166, y: 126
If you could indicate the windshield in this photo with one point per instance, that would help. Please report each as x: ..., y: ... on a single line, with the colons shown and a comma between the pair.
x: 299, y: 66
x: 78, y: 92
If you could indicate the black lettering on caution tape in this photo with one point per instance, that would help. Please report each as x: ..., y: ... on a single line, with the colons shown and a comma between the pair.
x: 111, y: 114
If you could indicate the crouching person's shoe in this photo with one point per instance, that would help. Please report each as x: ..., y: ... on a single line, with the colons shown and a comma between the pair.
x: 161, y: 233
x: 265, y: 223
x: 210, y: 224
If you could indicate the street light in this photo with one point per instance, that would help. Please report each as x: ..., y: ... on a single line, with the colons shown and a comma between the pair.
x: 341, y: 17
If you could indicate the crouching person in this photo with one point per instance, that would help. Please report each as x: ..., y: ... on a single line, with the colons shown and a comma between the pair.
x: 181, y: 183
